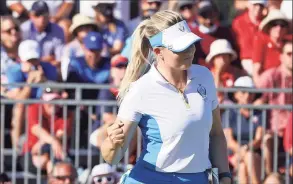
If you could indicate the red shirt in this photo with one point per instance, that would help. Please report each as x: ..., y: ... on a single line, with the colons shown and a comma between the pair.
x: 288, y: 134
x: 33, y: 119
x: 275, y: 78
x: 244, y: 31
x: 203, y: 48
x: 265, y: 52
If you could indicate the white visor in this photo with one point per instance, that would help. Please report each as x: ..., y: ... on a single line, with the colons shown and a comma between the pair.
x: 176, y: 38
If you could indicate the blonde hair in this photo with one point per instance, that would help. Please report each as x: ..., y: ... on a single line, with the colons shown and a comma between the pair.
x: 141, y: 46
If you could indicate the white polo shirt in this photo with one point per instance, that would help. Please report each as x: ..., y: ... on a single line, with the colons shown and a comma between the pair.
x: 175, y: 133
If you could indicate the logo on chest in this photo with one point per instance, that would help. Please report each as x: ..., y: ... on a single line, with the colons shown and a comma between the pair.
x: 202, y: 91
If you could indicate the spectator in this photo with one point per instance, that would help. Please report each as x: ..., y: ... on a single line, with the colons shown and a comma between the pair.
x: 92, y: 69
x: 63, y: 173
x: 245, y: 26
x: 267, y: 43
x: 247, y: 150
x: 113, y: 30
x: 209, y: 30
x: 29, y: 70
x: 103, y: 174
x: 288, y: 143
x: 148, y: 8
x: 49, y: 35
x: 65, y: 25
x: 187, y: 8
x: 80, y: 27
x: 219, y: 60
x: 57, y: 9
x: 10, y: 39
x: 47, y: 133
x: 277, y: 77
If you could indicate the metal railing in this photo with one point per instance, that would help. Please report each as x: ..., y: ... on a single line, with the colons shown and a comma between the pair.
x: 83, y: 152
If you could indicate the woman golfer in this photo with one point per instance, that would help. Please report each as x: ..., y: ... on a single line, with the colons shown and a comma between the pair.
x: 175, y: 106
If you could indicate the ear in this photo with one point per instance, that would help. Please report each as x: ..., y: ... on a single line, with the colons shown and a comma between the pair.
x: 158, y: 52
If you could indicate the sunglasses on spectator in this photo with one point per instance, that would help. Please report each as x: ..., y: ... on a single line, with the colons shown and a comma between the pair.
x: 98, y: 180
x: 280, y: 23
x: 188, y: 6
x: 63, y: 178
x: 9, y: 31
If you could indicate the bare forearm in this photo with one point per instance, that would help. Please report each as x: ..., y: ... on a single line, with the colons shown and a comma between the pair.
x: 64, y: 10
x: 218, y: 153
x: 111, y: 155
x: 43, y: 134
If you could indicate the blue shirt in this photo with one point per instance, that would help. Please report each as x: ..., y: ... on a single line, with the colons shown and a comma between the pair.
x: 6, y: 62
x: 51, y: 40
x: 111, y: 37
x: 15, y: 75
x: 229, y: 120
x: 80, y: 72
x: 84, y: 74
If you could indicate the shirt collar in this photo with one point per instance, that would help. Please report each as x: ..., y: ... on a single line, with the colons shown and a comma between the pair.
x: 47, y: 29
x: 191, y: 74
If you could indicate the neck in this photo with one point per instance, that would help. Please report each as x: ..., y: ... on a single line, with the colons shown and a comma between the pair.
x: 253, y: 19
x: 12, y: 52
x: 288, y: 72
x: 177, y: 78
x: 276, y: 40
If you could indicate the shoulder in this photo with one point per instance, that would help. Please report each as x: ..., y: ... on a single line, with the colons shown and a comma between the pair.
x: 14, y: 68
x: 200, y: 71
x: 55, y: 27
x: 141, y: 87
x: 48, y: 65
x: 239, y: 18
x: 269, y: 73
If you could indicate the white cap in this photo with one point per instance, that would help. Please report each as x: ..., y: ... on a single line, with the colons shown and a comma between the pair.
x: 176, y: 38
x: 244, y: 82
x: 286, y: 8
x: 220, y: 46
x: 29, y: 49
x: 102, y: 169
x: 263, y: 2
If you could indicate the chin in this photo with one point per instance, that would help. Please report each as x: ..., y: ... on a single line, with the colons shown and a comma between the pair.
x: 185, y: 66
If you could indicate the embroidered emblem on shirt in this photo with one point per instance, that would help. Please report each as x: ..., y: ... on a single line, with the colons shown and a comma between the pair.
x: 202, y: 91
x: 181, y: 27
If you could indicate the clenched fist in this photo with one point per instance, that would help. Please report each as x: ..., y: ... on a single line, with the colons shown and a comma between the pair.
x: 116, y: 134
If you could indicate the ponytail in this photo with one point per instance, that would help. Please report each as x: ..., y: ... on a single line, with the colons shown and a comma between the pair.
x: 138, y: 62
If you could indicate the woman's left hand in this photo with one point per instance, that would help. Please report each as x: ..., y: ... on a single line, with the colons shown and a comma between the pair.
x: 225, y: 180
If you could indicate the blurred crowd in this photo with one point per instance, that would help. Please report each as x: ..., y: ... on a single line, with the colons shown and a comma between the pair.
x: 51, y: 42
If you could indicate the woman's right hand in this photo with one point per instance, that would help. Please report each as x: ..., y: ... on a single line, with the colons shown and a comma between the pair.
x: 116, y: 134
